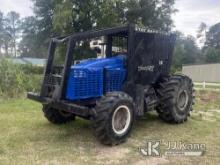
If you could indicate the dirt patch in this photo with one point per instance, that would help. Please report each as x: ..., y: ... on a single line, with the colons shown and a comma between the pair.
x: 135, y: 141
x: 207, y: 96
x: 153, y: 161
x: 215, y: 110
x: 111, y: 155
x: 207, y: 116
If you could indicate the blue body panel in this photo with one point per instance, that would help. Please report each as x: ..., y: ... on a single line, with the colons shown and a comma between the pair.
x: 112, y: 62
x: 92, y: 78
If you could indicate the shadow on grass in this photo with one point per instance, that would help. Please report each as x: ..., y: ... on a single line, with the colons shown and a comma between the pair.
x: 80, y: 130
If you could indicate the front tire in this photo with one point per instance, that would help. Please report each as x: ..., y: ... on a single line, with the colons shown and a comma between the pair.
x: 56, y: 116
x: 176, y: 98
x: 114, y: 118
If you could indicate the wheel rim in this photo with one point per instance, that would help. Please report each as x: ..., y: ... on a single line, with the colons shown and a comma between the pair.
x: 121, y: 120
x: 182, y: 100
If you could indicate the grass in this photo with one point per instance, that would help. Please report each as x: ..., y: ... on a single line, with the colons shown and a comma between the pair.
x: 28, y: 138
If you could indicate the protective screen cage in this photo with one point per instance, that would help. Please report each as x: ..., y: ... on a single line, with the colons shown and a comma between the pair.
x: 95, y: 82
x: 114, y: 79
x: 84, y: 84
x: 92, y: 83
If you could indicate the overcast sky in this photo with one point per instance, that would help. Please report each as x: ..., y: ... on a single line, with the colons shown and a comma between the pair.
x: 191, y: 12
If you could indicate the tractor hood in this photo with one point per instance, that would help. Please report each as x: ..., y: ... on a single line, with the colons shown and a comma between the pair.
x: 92, y: 78
x: 113, y: 62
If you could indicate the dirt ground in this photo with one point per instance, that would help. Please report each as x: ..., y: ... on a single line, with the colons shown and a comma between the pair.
x: 28, y: 138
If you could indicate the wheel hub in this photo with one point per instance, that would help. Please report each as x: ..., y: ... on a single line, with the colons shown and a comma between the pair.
x: 121, y: 120
x: 182, y: 100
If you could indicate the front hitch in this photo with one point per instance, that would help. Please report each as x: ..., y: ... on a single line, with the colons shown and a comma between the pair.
x: 36, y: 97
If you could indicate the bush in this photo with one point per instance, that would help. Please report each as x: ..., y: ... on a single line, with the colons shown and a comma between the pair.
x: 18, y: 79
x: 28, y: 68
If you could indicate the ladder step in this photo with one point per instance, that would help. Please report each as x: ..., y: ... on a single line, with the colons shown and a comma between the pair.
x: 56, y: 75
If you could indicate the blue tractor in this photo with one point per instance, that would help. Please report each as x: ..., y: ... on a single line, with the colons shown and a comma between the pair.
x: 114, y: 90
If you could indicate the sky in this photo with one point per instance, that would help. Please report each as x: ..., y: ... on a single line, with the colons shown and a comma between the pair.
x: 187, y: 20
x: 23, y: 7
x: 192, y: 12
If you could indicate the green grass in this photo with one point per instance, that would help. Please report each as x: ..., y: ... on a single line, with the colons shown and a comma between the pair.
x: 28, y: 138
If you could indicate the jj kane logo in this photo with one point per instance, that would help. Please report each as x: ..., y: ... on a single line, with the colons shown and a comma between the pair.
x: 152, y: 148
x: 173, y: 148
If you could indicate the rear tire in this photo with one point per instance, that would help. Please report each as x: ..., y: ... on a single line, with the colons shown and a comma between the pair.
x: 57, y: 116
x: 114, y: 118
x: 176, y: 98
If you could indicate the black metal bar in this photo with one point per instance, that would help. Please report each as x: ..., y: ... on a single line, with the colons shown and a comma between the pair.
x: 130, y: 57
x: 99, y: 33
x: 66, y: 70
x: 49, y: 65
x: 79, y: 110
x: 72, y: 108
x: 139, y: 99
x: 172, y: 40
x: 109, y: 46
x: 36, y: 97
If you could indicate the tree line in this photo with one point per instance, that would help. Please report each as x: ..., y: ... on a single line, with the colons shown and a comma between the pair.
x: 57, y: 17
x: 188, y: 51
x: 30, y: 36
x: 9, y: 33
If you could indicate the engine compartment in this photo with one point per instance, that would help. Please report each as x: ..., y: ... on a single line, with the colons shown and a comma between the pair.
x: 94, y: 77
